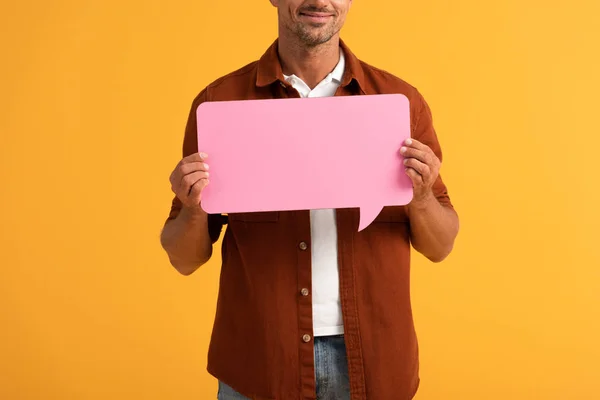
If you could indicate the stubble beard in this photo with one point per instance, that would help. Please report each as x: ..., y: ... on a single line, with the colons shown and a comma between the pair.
x: 313, y: 37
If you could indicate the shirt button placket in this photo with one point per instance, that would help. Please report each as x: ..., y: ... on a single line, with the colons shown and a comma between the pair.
x: 303, y: 247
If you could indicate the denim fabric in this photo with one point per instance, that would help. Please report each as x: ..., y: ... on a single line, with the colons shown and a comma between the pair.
x: 331, y: 370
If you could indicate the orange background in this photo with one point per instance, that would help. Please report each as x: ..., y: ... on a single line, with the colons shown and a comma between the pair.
x: 92, y: 109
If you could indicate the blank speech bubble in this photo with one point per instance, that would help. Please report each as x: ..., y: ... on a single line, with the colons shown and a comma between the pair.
x: 305, y: 154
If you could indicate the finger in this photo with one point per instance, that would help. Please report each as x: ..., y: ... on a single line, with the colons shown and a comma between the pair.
x: 414, y: 176
x: 186, y: 169
x: 418, y: 166
x: 411, y: 152
x: 196, y: 157
x: 193, y: 159
x: 196, y: 191
x: 414, y: 143
x: 189, y: 169
x: 189, y: 180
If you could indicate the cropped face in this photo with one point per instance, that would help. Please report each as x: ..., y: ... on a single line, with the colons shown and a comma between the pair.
x: 314, y: 22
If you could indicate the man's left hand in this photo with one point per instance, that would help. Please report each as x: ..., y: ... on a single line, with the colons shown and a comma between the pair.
x: 422, y: 166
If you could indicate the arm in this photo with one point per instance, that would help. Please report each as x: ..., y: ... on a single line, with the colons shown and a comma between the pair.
x: 187, y: 241
x: 434, y: 223
x: 186, y: 236
x: 433, y: 228
x: 189, y: 233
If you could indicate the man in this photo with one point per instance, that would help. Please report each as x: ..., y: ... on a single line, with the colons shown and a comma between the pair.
x: 308, y: 307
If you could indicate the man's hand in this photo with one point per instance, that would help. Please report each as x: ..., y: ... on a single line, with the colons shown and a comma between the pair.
x: 187, y: 238
x: 433, y: 227
x: 423, y: 168
x: 189, y: 179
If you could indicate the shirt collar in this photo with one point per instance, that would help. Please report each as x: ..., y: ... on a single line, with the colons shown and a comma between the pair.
x: 336, y: 75
x: 338, y: 72
x: 269, y: 67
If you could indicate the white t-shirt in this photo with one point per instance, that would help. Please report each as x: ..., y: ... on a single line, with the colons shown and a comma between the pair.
x: 327, y: 310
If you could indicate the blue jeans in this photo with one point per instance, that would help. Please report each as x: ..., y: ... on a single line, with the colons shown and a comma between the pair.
x: 331, y: 370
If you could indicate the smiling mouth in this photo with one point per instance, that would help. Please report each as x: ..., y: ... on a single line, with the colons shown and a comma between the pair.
x: 315, y: 16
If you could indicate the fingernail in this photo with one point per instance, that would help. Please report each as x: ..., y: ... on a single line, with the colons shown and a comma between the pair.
x: 406, y: 161
x: 205, y: 166
x: 206, y: 174
x: 203, y: 155
x: 403, y: 150
x: 408, y: 141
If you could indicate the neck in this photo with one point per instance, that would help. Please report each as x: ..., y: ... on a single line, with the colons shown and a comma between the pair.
x: 311, y: 64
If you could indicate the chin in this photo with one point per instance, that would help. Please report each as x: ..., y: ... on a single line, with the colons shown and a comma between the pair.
x: 313, y: 42
x: 314, y: 37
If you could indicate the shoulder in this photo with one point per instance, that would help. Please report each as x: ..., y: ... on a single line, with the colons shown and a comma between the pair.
x: 231, y: 86
x: 379, y: 81
x: 243, y: 75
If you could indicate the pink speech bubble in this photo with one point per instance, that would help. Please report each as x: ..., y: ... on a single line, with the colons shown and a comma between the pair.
x: 303, y: 154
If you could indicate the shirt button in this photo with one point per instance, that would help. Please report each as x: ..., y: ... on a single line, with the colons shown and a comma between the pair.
x: 303, y: 246
x: 304, y: 292
x: 306, y: 338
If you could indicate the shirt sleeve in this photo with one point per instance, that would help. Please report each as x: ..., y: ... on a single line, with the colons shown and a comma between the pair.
x: 424, y: 131
x: 190, y: 146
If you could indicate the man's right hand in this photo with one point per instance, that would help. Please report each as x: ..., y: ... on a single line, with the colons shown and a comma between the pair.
x: 187, y: 238
x: 189, y: 179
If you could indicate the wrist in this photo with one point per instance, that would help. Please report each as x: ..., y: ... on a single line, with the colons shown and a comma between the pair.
x: 193, y: 214
x: 422, y: 201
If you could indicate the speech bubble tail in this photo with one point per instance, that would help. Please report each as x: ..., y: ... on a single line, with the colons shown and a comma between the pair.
x: 368, y: 215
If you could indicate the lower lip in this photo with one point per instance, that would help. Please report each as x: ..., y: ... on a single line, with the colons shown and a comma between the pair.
x: 315, y: 18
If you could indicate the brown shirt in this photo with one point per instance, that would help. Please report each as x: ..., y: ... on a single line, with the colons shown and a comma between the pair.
x: 262, y: 337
